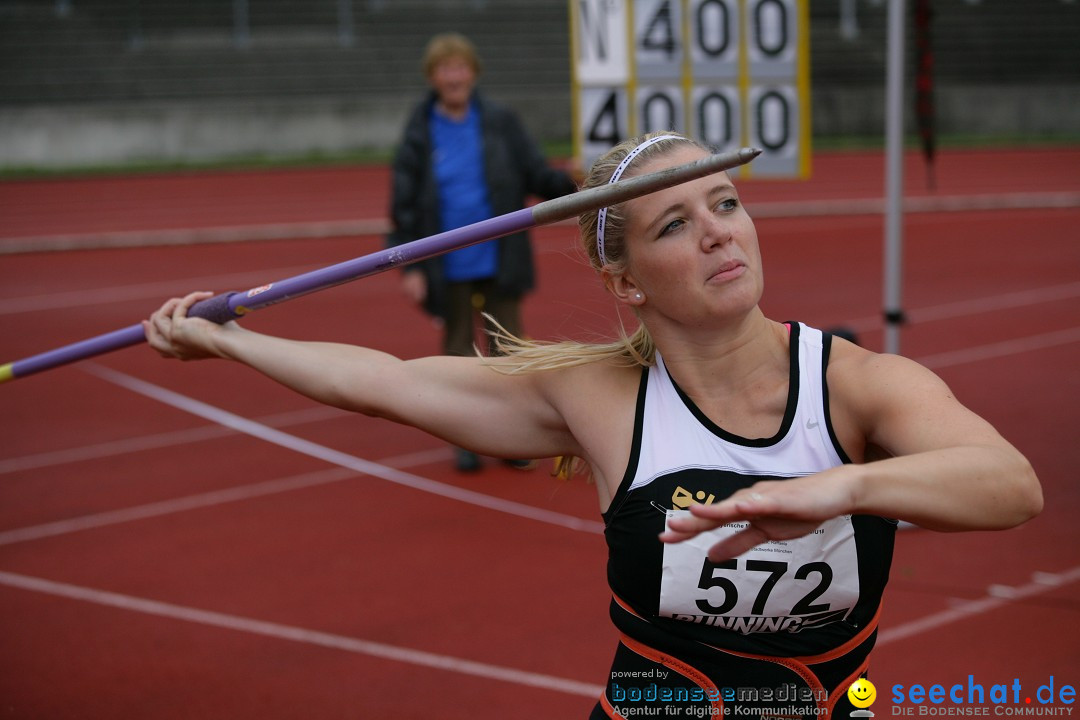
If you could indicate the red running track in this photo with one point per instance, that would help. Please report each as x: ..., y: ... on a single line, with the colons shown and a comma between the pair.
x: 160, y: 563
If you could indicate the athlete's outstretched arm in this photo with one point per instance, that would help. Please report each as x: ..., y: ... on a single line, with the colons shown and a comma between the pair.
x: 458, y: 399
x: 946, y: 468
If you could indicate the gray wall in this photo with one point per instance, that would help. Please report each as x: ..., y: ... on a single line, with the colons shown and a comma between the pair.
x: 90, y: 82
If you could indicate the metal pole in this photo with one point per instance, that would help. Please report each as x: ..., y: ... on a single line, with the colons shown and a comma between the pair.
x: 849, y: 23
x: 135, y: 25
x: 894, y: 175
x: 346, y: 34
x: 241, y: 24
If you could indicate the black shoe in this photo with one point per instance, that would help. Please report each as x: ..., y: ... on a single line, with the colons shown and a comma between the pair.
x: 522, y: 464
x: 466, y: 460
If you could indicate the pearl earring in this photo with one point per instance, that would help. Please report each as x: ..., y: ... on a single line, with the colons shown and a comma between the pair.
x: 638, y: 297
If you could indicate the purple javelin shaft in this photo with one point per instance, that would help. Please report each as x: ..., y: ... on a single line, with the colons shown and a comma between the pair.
x: 229, y: 306
x: 232, y: 305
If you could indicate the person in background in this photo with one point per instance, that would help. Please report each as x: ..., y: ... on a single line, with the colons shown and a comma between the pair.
x: 463, y: 159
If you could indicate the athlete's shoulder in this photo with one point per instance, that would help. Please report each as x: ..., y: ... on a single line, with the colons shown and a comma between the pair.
x: 603, y: 376
x: 874, y: 384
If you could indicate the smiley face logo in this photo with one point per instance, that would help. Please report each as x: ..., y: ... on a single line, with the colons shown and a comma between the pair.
x: 862, y: 693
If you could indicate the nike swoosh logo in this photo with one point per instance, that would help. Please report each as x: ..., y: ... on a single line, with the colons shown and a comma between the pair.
x: 811, y: 424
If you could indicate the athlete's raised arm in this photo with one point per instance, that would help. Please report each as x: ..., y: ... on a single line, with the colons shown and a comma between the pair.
x: 462, y: 400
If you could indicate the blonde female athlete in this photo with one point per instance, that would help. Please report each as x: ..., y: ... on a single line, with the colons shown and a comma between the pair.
x: 750, y: 472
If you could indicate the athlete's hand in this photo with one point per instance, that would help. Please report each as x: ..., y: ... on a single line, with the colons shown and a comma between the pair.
x: 175, y: 335
x: 772, y: 510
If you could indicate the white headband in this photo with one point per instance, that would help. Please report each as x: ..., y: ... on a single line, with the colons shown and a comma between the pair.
x: 601, y: 217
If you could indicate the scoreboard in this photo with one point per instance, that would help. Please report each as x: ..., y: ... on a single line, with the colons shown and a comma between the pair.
x: 730, y: 73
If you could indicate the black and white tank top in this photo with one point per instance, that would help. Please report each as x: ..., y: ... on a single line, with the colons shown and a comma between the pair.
x: 792, y: 597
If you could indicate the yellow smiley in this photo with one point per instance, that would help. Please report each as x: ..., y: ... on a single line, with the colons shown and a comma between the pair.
x: 862, y: 693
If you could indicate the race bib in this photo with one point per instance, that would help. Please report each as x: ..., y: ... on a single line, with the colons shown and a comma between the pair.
x: 778, y: 586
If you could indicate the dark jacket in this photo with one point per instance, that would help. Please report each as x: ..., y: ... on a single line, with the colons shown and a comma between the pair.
x: 514, y: 168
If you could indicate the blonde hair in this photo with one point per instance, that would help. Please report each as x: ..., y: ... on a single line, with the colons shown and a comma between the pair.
x: 632, y: 349
x: 449, y: 45
x: 628, y: 350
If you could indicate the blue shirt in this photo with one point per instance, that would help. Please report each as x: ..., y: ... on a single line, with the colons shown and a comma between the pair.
x: 458, y: 159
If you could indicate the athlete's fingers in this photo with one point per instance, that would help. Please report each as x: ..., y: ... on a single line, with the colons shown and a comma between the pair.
x: 674, y: 536
x: 180, y: 311
x: 153, y: 337
x: 684, y: 527
x: 166, y: 308
x: 166, y: 329
x: 162, y: 319
x: 738, y: 543
x: 744, y: 505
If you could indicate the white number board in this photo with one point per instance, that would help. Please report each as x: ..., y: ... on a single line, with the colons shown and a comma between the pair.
x: 731, y: 73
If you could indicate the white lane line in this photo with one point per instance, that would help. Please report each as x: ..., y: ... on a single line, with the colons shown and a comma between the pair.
x: 1052, y: 200
x: 996, y: 596
x: 1001, y: 349
x: 209, y: 499
x: 995, y: 303
x: 111, y: 449
x: 158, y: 440
x: 175, y: 505
x: 160, y: 289
x: 301, y: 635
x: 194, y: 236
x: 336, y: 457
x: 362, y: 227
x: 976, y: 306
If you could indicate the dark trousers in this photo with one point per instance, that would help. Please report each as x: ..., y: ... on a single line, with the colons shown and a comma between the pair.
x: 465, y: 301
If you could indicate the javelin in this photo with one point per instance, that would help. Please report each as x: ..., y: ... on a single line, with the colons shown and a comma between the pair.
x: 231, y: 305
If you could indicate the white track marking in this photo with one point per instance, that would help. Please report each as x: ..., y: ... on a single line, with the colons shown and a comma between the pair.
x: 379, y: 226
x: 967, y: 308
x: 994, y: 303
x: 160, y: 289
x: 336, y: 457
x: 917, y: 204
x: 996, y: 596
x: 194, y: 236
x: 112, y: 449
x: 175, y: 505
x: 301, y: 635
x: 157, y: 441
x: 209, y: 499
x: 1001, y: 349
